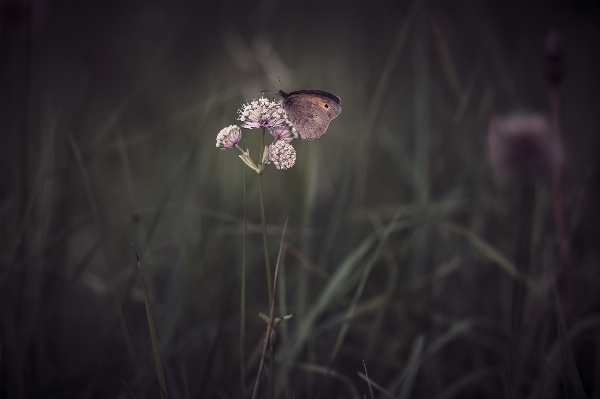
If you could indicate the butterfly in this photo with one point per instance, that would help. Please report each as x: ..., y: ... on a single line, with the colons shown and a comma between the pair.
x: 310, y: 111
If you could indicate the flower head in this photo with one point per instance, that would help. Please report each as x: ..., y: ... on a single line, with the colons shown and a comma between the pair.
x: 282, y: 154
x: 284, y: 132
x: 523, y: 147
x: 261, y: 113
x: 229, y: 137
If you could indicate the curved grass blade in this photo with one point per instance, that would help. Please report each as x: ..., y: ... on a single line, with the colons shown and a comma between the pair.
x: 574, y: 385
x: 485, y: 249
x: 363, y: 281
x: 376, y: 385
x: 153, y: 336
x: 413, y: 366
x: 368, y: 381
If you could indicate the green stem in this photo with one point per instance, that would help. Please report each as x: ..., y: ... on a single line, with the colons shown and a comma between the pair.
x: 263, y: 220
x: 243, y: 294
x: 272, y: 369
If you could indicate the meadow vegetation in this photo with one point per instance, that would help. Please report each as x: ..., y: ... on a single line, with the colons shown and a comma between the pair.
x: 407, y: 254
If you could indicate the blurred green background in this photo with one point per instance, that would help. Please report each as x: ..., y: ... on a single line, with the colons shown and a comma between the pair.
x: 399, y: 245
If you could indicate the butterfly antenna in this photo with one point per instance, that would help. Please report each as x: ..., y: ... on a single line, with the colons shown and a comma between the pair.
x: 262, y: 92
x: 280, y: 82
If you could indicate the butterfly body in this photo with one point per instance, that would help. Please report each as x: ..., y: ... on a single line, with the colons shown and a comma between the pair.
x: 310, y: 111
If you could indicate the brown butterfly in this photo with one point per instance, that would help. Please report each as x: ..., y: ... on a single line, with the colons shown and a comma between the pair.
x: 310, y: 111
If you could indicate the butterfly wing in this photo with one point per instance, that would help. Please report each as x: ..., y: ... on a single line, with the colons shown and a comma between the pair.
x: 310, y: 111
x: 308, y: 119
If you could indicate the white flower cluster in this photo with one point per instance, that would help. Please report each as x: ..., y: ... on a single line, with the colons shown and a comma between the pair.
x: 229, y: 137
x: 261, y: 113
x: 282, y: 154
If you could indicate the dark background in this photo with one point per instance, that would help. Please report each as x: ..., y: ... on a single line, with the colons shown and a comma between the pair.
x: 109, y: 113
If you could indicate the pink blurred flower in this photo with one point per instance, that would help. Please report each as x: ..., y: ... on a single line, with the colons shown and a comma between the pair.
x: 523, y: 147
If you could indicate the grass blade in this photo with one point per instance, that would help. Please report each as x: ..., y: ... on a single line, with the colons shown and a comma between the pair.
x: 361, y: 286
x: 484, y: 248
x: 413, y: 366
x: 378, y: 98
x: 128, y: 389
x: 153, y: 336
x: 457, y: 329
x: 574, y: 385
x: 336, y: 281
x: 213, y: 348
x: 376, y: 385
x: 270, y: 323
x: 368, y: 381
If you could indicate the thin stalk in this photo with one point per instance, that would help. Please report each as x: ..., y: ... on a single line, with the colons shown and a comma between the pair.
x: 272, y: 369
x: 522, y: 260
x: 270, y: 323
x: 267, y: 263
x: 153, y: 336
x: 263, y: 220
x: 368, y: 381
x: 243, y: 294
x: 559, y: 214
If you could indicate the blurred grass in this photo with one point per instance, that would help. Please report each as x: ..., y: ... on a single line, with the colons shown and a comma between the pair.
x: 394, y: 215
